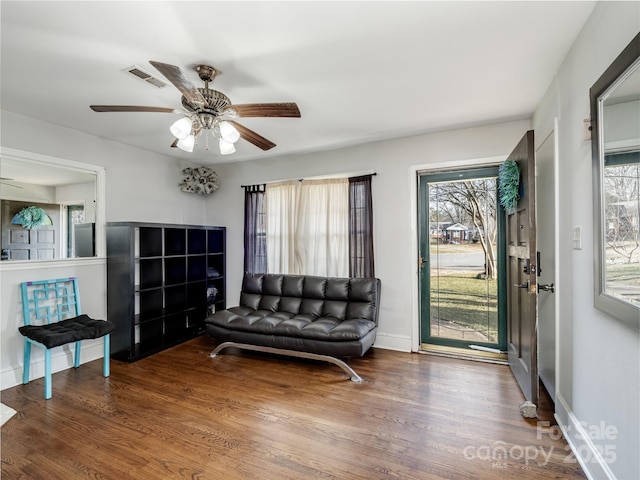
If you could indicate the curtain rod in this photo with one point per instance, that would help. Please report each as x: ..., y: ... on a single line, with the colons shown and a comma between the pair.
x: 319, y: 177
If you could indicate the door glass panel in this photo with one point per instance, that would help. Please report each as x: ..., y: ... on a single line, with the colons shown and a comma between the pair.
x: 463, y: 261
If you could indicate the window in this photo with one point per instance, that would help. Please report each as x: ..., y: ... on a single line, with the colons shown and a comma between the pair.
x: 313, y: 227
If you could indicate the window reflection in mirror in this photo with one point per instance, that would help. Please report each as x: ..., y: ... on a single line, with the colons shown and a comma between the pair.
x: 621, y: 181
x: 615, y: 107
x: 68, y: 196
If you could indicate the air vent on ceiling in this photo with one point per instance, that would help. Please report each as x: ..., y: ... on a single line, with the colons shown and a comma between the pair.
x: 145, y: 76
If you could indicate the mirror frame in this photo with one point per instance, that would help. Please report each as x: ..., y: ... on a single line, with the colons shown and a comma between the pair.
x: 100, y: 219
x: 626, y: 312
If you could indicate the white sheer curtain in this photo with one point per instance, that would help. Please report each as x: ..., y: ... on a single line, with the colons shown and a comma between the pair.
x: 322, y: 229
x: 307, y: 225
x: 280, y: 206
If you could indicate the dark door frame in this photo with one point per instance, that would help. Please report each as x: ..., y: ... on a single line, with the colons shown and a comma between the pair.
x: 460, y: 173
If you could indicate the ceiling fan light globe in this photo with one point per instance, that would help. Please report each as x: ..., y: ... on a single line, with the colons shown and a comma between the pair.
x: 228, y: 132
x: 181, y: 129
x: 226, y: 148
x: 187, y: 143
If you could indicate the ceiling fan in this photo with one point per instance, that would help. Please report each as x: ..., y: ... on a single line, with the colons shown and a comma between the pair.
x: 206, y: 109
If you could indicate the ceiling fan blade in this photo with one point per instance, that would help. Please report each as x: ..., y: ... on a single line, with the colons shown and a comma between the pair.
x: 180, y: 81
x: 266, y: 110
x: 252, y: 137
x: 132, y: 108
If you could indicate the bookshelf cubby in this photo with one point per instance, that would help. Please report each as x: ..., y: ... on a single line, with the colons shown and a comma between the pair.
x: 161, y: 281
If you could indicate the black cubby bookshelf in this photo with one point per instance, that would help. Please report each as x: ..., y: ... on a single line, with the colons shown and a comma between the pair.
x: 161, y: 281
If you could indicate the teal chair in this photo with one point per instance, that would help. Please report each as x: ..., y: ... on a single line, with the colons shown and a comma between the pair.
x: 52, y: 318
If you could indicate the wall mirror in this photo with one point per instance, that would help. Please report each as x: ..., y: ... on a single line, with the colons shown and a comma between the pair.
x: 615, y: 140
x: 50, y: 208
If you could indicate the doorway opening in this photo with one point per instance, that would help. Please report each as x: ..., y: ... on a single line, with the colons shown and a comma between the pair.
x: 462, y: 268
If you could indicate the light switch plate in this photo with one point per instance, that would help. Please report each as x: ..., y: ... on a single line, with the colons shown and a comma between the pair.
x: 577, y: 238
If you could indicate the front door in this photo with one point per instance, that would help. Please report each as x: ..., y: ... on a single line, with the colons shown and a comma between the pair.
x: 462, y: 251
x: 19, y: 243
x: 522, y: 271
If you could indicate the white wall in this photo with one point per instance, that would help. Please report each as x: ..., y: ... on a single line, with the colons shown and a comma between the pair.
x: 140, y: 186
x: 84, y: 192
x: 31, y: 193
x: 599, y: 358
x: 393, y: 188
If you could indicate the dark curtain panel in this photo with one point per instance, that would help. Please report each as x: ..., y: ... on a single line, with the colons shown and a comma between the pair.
x: 255, y: 239
x: 360, y: 227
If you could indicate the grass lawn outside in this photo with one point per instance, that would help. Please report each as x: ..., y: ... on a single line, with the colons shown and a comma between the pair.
x: 464, y: 301
x: 623, y: 281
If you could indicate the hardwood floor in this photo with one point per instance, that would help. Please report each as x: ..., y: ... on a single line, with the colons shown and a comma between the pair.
x: 180, y: 414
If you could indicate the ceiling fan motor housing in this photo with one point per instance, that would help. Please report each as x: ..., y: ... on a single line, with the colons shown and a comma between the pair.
x: 216, y: 102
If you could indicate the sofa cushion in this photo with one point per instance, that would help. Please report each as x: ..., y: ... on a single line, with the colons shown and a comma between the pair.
x: 337, y: 289
x: 343, y: 298
x: 269, y: 302
x: 292, y: 286
x: 288, y: 324
x: 290, y: 304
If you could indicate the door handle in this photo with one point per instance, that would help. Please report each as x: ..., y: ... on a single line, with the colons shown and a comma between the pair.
x: 523, y: 285
x: 547, y: 288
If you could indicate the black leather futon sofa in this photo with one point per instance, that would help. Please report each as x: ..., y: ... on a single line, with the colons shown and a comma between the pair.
x: 301, y: 315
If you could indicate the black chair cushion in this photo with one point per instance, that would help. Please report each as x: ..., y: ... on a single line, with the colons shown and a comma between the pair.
x: 66, y: 331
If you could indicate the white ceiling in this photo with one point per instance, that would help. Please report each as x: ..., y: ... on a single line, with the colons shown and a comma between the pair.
x: 359, y: 71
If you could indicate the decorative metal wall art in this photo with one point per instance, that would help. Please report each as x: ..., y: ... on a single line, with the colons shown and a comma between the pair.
x: 200, y: 180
